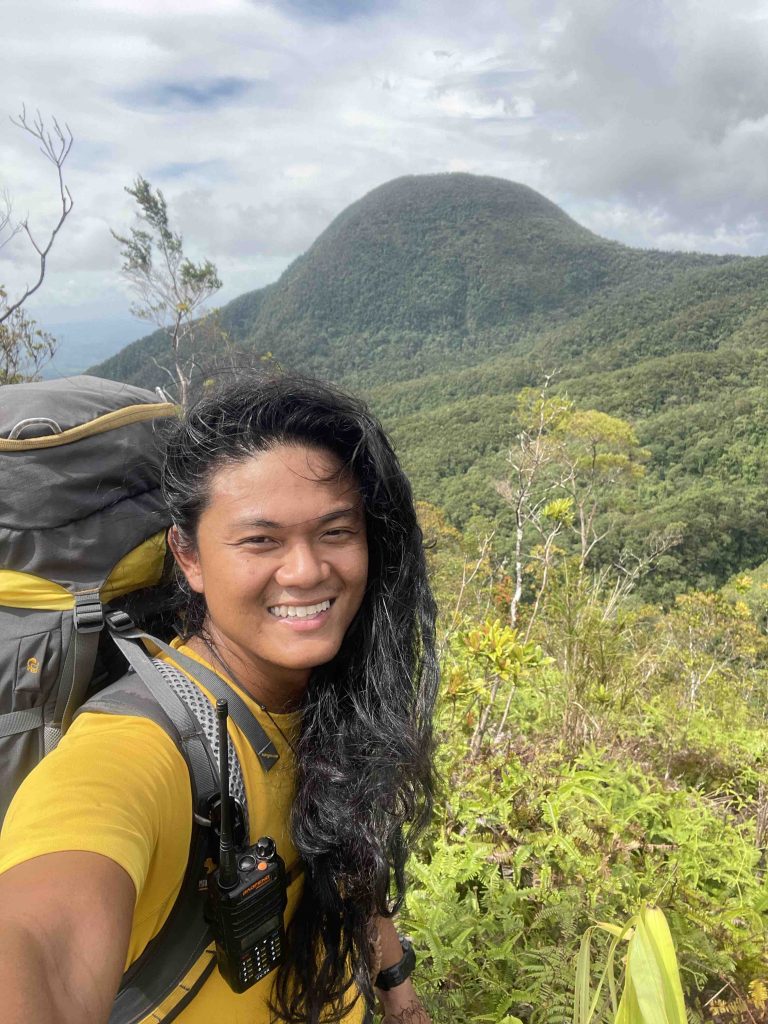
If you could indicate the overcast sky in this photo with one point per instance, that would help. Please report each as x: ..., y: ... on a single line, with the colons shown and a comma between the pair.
x: 646, y: 120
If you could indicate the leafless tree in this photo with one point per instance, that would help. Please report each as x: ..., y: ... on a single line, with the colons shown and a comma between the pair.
x: 7, y: 228
x: 527, y: 489
x: 55, y: 144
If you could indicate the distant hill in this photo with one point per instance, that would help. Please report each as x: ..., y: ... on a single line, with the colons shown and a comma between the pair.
x: 82, y: 341
x: 442, y: 295
x: 426, y: 267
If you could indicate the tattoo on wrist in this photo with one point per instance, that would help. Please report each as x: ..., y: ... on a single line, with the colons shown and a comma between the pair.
x: 413, y: 1013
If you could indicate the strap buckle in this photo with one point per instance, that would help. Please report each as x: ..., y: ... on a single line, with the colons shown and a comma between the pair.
x: 88, y: 613
x: 120, y: 622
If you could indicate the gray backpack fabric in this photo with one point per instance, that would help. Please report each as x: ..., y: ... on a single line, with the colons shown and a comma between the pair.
x: 81, y: 523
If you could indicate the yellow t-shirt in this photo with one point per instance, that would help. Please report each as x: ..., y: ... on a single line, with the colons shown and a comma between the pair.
x: 118, y: 786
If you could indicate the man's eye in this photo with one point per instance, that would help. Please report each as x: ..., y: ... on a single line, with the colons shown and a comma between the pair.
x: 258, y: 541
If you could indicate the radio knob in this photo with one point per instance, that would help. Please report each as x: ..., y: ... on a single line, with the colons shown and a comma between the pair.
x: 265, y: 848
x: 247, y: 862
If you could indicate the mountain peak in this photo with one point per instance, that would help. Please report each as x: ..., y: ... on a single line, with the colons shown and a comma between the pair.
x: 438, y: 253
x: 465, y: 193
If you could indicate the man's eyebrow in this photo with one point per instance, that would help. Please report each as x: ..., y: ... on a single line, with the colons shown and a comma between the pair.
x: 327, y: 517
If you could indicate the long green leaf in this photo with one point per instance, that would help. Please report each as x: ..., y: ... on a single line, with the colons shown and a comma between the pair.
x: 653, y: 993
x: 583, y: 981
x: 660, y: 942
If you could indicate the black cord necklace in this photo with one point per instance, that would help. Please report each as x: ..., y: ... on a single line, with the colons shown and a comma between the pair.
x: 228, y: 671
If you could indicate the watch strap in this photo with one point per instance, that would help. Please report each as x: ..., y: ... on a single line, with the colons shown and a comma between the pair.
x: 395, y: 975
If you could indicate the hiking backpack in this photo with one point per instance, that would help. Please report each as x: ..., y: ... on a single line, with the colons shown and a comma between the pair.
x: 82, y: 524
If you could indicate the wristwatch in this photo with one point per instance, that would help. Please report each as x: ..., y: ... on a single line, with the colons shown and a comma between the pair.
x: 395, y: 975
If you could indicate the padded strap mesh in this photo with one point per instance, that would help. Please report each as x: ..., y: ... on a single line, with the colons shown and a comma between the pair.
x: 123, y: 631
x: 205, y: 714
x: 202, y: 767
x: 262, y: 745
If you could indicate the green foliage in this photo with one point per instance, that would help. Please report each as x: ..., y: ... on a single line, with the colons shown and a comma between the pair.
x: 24, y: 346
x: 750, y: 589
x: 170, y: 288
x: 654, y: 791
x: 179, y: 283
x: 530, y: 855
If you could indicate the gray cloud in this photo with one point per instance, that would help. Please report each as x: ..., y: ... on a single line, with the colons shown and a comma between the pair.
x: 669, y: 121
x: 647, y: 121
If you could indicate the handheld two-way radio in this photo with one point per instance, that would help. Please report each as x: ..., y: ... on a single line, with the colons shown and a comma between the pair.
x: 247, y: 893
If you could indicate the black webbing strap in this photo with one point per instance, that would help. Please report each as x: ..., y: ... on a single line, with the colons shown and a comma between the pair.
x: 122, y: 629
x: 76, y: 673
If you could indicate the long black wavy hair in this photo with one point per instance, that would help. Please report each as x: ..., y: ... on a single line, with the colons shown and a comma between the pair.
x: 365, y: 780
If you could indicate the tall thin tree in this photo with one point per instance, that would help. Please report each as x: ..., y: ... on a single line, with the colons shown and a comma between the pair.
x: 171, y: 289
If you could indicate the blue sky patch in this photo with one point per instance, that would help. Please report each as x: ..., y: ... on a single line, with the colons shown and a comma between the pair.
x: 200, y: 94
x: 175, y: 171
x: 336, y: 10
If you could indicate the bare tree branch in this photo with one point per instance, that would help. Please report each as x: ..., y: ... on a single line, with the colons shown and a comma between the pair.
x: 7, y: 227
x: 55, y: 145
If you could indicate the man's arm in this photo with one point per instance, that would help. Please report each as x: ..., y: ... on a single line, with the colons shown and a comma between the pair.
x: 65, y: 923
x: 401, y: 1004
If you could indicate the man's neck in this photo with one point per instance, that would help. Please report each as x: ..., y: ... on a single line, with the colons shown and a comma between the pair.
x: 276, y: 695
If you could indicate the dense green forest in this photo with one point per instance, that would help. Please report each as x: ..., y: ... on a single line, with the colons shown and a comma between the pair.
x: 441, y: 296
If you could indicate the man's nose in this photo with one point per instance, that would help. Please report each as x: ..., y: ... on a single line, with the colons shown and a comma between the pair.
x: 302, y: 566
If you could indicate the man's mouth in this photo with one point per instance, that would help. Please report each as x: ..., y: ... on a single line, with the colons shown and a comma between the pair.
x: 299, y: 611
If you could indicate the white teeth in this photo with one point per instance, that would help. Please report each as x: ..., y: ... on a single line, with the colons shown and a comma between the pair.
x: 292, y: 611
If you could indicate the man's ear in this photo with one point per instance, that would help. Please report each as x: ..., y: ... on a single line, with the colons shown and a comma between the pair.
x: 186, y: 559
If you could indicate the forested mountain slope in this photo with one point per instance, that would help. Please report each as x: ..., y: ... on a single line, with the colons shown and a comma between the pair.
x: 428, y: 267
x: 441, y: 296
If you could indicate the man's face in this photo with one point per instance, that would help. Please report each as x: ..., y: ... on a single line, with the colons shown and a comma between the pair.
x: 282, y: 560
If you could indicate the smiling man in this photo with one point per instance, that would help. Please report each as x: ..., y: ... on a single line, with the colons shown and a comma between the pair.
x: 305, y: 591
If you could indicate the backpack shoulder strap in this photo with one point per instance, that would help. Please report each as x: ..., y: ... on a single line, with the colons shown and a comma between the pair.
x: 175, y: 964
x: 123, y: 632
x: 204, y: 713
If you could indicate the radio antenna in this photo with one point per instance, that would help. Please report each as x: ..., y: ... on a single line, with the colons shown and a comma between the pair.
x: 228, y: 876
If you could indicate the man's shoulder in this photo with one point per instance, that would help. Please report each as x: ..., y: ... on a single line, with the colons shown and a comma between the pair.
x: 115, y: 785
x: 127, y: 700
